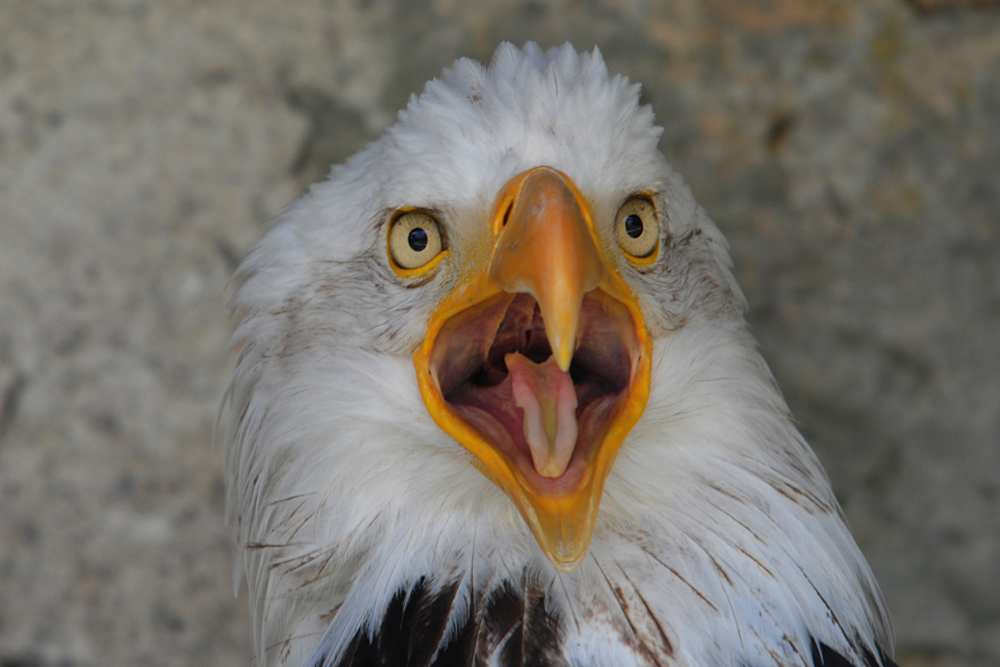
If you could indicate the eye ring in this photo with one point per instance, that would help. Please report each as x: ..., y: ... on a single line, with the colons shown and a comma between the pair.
x: 637, y: 229
x: 415, y: 240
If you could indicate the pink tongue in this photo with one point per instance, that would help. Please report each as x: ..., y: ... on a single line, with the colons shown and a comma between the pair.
x: 548, y: 399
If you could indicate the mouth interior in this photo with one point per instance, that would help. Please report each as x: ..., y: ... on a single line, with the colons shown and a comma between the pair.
x: 469, y: 361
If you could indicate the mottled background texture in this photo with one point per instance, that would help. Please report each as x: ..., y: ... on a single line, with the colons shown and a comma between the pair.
x: 849, y: 149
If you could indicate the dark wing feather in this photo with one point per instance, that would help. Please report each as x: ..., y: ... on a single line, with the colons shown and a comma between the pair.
x: 824, y: 656
x: 500, y: 626
x: 411, y: 630
x: 510, y: 621
x: 460, y: 650
x: 541, y: 639
x: 428, y: 626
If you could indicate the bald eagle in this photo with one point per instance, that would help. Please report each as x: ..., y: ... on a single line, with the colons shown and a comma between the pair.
x: 496, y: 403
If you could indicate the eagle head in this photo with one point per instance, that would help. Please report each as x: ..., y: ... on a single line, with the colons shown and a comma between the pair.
x: 500, y: 349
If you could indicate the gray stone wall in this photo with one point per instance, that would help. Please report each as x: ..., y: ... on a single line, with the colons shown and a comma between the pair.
x: 850, y: 150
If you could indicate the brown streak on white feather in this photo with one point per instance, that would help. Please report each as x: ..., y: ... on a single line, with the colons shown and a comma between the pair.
x: 763, y: 568
x: 680, y: 578
x: 813, y: 502
x: 656, y: 652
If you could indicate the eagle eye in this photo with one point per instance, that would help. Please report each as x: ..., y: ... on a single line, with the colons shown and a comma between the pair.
x: 637, y: 229
x: 415, y: 239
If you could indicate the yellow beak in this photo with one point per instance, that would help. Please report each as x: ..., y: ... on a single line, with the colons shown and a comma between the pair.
x: 539, y: 362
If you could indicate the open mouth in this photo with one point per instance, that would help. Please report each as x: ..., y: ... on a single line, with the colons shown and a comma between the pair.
x: 495, y: 370
x: 538, y: 361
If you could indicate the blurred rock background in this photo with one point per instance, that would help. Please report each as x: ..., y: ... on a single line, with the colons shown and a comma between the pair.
x: 849, y: 149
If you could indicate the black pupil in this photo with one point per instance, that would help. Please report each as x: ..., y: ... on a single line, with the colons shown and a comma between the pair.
x: 633, y: 226
x: 417, y: 239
